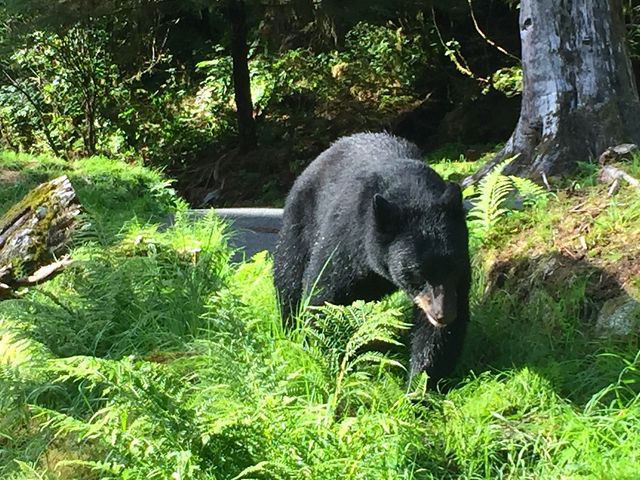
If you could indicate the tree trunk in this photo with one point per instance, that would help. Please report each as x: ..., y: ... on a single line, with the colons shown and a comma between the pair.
x: 579, y: 95
x: 241, y: 80
x: 34, y: 233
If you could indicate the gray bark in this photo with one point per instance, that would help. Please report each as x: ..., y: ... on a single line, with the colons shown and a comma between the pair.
x: 34, y: 233
x: 579, y: 95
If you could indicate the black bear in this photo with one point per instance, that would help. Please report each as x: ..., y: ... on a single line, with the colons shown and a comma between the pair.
x: 365, y: 219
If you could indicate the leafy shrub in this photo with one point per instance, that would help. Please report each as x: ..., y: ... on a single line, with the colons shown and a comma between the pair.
x: 70, y: 97
x: 382, y: 63
x: 74, y: 94
x: 69, y: 87
x: 378, y: 65
x: 508, y: 80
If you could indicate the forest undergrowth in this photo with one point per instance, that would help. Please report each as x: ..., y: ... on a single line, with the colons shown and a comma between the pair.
x: 155, y: 356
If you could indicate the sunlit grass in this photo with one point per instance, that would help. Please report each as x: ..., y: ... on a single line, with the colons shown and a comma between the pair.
x: 154, y: 357
x: 111, y: 192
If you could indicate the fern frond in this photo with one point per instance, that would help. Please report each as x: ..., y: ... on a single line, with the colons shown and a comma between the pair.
x: 490, y: 202
x: 531, y: 192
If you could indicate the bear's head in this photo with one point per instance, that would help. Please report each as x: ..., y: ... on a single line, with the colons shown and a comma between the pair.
x: 426, y: 250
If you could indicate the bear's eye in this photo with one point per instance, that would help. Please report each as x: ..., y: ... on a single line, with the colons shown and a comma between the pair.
x: 415, y: 279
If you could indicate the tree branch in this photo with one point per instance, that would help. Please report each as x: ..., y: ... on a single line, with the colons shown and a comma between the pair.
x: 45, y: 126
x: 487, y: 39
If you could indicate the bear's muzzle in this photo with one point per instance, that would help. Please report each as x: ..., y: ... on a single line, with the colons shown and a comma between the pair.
x: 439, y: 310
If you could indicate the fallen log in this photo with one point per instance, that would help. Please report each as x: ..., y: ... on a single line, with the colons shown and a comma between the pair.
x: 34, y: 235
x: 613, y: 176
x: 617, y: 153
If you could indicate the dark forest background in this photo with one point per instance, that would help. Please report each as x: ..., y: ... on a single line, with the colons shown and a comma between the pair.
x: 154, y: 80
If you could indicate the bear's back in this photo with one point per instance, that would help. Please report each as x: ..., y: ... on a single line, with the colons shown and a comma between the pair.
x: 358, y: 154
x: 377, y: 147
x: 363, y: 164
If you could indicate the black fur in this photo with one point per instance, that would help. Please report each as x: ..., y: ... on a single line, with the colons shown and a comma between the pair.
x: 372, y: 219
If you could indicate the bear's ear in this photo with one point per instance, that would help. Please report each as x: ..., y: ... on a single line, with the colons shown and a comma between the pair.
x: 452, y: 196
x: 387, y: 214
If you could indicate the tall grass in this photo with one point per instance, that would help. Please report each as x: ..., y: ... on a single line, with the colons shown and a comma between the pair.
x: 111, y: 192
x: 155, y: 357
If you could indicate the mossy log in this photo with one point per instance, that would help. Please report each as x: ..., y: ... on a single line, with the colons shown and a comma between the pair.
x: 34, y: 235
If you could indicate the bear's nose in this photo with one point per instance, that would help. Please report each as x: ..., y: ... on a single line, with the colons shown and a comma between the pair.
x: 431, y: 302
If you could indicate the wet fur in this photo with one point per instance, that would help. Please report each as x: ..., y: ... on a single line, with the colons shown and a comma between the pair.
x: 330, y: 226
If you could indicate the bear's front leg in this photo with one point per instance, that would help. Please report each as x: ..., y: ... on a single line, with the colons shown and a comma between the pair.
x: 435, y: 350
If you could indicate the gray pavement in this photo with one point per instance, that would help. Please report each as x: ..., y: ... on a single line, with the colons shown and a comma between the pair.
x: 252, y: 229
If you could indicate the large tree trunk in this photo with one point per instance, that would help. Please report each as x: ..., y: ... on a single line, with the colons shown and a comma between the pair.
x: 241, y: 79
x: 579, y: 95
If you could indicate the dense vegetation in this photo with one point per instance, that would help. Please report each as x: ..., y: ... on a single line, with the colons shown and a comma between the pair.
x: 152, y: 80
x: 155, y: 357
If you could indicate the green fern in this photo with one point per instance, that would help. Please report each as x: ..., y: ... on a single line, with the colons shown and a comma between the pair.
x: 374, y: 326
x: 496, y: 195
x: 530, y: 192
x: 490, y: 202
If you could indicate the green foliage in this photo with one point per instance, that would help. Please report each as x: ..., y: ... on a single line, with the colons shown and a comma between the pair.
x: 492, y: 198
x: 240, y: 400
x: 154, y: 357
x: 67, y: 88
x: 530, y: 192
x: 378, y: 64
x: 72, y: 91
x: 508, y: 80
x: 153, y: 81
x: 236, y: 398
x: 297, y: 79
x: 105, y: 298
x: 382, y: 62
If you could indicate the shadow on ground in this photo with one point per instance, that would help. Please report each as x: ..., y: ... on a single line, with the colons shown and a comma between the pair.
x: 546, y: 313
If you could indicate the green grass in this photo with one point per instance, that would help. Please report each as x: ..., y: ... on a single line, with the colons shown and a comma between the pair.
x: 111, y: 192
x: 454, y: 171
x: 451, y: 162
x: 154, y: 357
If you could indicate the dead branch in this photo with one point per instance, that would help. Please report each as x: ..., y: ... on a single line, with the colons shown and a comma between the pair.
x: 613, y: 177
x: 44, y: 273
